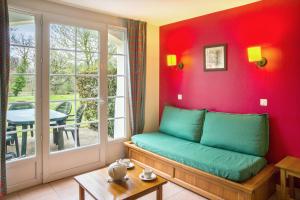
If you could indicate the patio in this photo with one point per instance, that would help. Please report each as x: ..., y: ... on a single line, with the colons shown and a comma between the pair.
x: 87, y: 137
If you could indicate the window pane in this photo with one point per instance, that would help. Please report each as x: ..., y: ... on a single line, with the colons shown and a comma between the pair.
x: 116, y: 107
x: 87, y: 40
x: 61, y: 87
x: 116, y: 41
x: 116, y: 65
x: 22, y: 59
x: 59, y: 133
x: 62, y: 37
x: 62, y: 62
x: 88, y: 134
x: 21, y: 88
x: 87, y: 111
x: 111, y: 108
x: 116, y: 70
x: 22, y: 29
x: 116, y: 128
x: 87, y: 63
x: 65, y: 107
x: 116, y: 86
x: 87, y: 87
x: 14, y: 142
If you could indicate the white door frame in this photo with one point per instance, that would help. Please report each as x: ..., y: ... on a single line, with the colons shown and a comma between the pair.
x: 32, y: 171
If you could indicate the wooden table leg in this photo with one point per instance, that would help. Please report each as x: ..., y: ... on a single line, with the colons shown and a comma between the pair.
x: 159, y: 193
x: 81, y: 193
x: 291, y: 186
x: 283, y: 195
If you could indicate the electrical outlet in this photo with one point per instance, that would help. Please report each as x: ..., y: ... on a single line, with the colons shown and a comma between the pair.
x: 264, y: 102
x: 179, y: 96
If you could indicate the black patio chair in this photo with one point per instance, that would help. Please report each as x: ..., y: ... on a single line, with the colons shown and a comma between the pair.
x: 21, y: 105
x: 12, y: 139
x: 78, y: 119
x: 66, y: 108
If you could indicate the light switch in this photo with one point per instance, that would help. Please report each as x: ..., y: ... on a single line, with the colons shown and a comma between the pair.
x: 179, y: 97
x: 264, y: 102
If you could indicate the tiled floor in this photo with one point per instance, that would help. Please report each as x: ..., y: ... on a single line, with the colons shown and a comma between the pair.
x: 67, y: 189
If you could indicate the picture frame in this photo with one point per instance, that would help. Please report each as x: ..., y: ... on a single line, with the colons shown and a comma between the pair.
x: 215, y: 57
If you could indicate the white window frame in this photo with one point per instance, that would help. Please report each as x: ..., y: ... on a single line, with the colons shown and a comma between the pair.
x: 126, y: 89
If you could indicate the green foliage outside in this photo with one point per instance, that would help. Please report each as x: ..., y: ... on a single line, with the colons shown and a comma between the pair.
x: 21, y: 64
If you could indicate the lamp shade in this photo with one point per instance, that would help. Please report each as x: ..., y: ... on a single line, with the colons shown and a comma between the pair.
x: 254, y: 54
x: 171, y: 60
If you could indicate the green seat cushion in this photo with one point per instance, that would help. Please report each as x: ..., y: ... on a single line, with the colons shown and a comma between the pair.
x: 244, y: 133
x: 227, y: 164
x: 182, y: 123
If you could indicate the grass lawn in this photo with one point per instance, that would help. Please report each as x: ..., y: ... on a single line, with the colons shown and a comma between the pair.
x: 31, y: 98
x: 52, y: 97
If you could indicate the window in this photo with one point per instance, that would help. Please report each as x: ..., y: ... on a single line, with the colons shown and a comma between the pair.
x: 22, y: 87
x: 117, y: 75
x: 73, y: 87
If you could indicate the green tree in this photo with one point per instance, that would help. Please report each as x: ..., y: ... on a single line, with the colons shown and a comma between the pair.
x: 61, y: 62
x: 21, y: 61
x: 87, y: 42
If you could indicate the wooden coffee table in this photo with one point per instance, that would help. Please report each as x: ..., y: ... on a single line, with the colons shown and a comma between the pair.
x: 96, y: 184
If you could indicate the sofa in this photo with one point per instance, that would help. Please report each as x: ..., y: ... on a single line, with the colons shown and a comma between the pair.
x: 228, y: 148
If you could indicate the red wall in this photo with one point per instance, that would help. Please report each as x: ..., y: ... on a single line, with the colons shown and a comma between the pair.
x: 273, y: 24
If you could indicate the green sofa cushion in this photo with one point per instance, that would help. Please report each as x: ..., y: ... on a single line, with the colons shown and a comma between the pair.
x: 182, y: 123
x: 227, y: 164
x: 244, y: 133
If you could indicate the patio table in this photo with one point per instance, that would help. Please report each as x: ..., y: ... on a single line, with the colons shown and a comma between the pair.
x: 26, y: 117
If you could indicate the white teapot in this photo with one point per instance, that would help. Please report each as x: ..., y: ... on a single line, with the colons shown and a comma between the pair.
x: 117, y: 170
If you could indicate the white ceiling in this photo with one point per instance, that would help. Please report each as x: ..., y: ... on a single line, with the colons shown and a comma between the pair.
x: 157, y: 12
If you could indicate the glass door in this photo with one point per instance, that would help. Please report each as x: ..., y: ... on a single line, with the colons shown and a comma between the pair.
x: 67, y: 97
x: 73, y: 110
x: 23, y: 143
x: 73, y: 87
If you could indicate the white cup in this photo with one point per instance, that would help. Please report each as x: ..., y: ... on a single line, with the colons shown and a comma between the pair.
x: 147, y: 173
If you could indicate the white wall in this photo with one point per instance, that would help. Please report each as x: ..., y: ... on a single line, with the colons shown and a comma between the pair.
x: 152, y: 79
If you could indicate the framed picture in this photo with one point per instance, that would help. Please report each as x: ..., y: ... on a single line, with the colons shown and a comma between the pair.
x: 215, y: 57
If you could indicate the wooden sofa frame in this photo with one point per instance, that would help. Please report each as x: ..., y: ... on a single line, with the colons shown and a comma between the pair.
x: 259, y: 187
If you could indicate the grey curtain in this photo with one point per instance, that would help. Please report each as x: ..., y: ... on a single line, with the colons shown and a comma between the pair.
x: 136, y: 33
x: 4, y: 77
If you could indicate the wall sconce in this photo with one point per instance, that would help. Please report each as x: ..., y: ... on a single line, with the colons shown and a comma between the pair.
x: 172, y: 61
x: 254, y: 55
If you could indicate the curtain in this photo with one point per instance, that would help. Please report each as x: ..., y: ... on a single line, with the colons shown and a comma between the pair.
x: 136, y: 33
x: 4, y: 77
